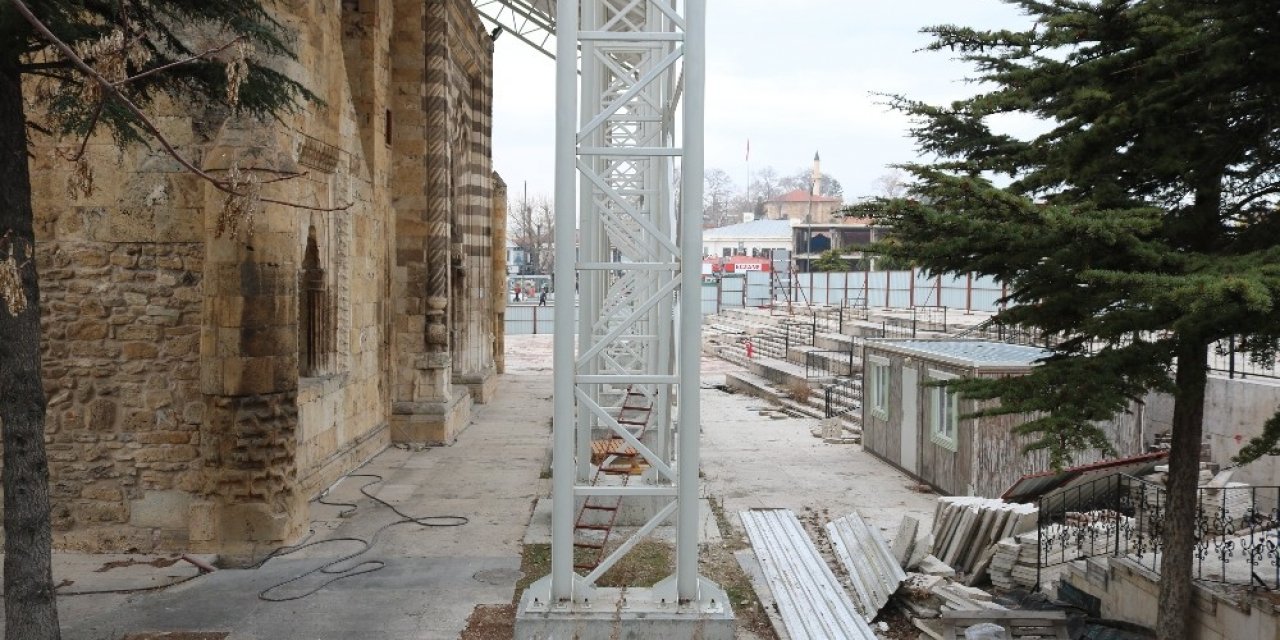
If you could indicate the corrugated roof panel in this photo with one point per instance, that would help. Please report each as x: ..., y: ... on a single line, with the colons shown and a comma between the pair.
x: 809, y: 598
x: 763, y: 229
x: 873, y: 570
x: 1030, y: 488
x: 973, y: 353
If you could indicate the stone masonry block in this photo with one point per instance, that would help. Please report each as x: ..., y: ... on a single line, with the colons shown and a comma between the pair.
x: 161, y: 510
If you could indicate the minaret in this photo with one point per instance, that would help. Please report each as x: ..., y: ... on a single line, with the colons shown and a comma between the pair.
x: 817, y: 174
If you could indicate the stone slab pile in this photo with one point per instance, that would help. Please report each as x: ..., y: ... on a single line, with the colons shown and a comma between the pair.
x: 966, y: 529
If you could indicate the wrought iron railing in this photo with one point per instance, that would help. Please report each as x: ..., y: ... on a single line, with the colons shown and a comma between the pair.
x: 1000, y: 332
x: 1237, y: 528
x: 1227, y: 358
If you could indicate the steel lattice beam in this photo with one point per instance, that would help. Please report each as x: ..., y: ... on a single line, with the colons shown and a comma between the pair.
x: 622, y: 68
x: 532, y: 21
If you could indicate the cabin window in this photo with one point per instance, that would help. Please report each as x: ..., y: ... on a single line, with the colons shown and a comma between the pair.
x: 878, y: 379
x: 943, y: 412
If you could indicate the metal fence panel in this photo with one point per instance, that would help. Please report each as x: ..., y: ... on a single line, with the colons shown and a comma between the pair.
x: 710, y: 298
x: 733, y: 291
x: 757, y: 294
x: 528, y: 319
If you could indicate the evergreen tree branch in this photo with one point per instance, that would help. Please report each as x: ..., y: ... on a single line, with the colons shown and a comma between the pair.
x: 112, y: 90
x: 178, y: 63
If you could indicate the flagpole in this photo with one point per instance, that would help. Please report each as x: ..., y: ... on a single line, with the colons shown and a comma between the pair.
x: 749, y: 202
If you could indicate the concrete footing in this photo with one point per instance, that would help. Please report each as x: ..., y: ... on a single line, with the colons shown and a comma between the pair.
x: 631, y: 614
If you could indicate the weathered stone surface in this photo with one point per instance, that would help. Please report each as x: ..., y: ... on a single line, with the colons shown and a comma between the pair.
x: 183, y: 412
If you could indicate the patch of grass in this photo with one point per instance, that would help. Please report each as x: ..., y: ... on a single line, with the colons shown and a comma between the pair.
x: 535, y: 562
x: 720, y: 565
x: 490, y: 622
x: 651, y: 561
x: 646, y: 564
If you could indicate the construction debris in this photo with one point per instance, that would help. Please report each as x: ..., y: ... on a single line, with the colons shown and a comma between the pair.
x: 1011, y: 625
x: 874, y: 572
x: 905, y: 542
x: 808, y: 596
x: 965, y: 530
x: 932, y: 566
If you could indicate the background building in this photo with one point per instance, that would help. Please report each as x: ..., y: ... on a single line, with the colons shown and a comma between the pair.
x: 759, y: 238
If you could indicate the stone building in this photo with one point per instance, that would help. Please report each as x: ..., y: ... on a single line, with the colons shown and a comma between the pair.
x: 205, y: 384
x: 802, y: 207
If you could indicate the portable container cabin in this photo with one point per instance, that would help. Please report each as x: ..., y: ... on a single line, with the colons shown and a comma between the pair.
x: 919, y: 428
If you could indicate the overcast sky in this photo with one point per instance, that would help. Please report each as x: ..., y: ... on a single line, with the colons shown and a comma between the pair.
x: 794, y: 77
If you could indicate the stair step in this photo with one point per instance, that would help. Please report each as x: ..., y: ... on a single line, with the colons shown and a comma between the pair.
x: 594, y: 527
x: 594, y: 507
x: 588, y: 545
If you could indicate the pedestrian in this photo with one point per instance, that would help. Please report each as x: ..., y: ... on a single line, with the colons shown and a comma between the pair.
x: 542, y: 298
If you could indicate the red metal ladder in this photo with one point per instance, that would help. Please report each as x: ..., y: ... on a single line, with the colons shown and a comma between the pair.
x: 615, y: 459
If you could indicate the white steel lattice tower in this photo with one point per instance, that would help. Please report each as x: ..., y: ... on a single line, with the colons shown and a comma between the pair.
x: 629, y: 171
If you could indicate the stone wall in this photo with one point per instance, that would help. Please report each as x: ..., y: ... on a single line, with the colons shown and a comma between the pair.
x: 1130, y: 593
x: 121, y: 325
x: 442, y: 204
x: 1234, y: 412
x: 206, y: 384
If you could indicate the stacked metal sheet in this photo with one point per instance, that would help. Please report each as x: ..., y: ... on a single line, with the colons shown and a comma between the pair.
x: 809, y: 597
x: 873, y: 570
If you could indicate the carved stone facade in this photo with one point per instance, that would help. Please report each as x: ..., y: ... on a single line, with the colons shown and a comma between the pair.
x: 204, y: 385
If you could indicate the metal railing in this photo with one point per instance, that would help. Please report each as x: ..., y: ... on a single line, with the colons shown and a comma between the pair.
x: 1237, y: 528
x: 1227, y: 358
x: 800, y: 333
x: 833, y: 409
x: 828, y: 363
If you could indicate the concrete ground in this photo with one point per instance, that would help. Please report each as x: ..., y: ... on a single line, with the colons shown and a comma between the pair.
x: 753, y: 461
x: 432, y: 578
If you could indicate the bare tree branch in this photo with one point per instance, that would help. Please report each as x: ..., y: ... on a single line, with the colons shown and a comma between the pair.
x: 178, y: 63
x: 111, y: 89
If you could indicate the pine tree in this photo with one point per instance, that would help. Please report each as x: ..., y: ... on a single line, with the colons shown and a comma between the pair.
x: 830, y: 260
x: 1137, y: 231
x: 70, y: 68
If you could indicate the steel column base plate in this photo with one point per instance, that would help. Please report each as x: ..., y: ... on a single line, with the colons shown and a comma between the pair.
x: 633, y: 614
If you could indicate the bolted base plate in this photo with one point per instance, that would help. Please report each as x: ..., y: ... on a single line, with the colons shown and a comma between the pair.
x: 625, y: 614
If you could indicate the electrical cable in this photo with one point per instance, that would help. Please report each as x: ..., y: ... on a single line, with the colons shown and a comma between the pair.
x: 334, y: 567
x: 157, y: 587
x: 329, y: 568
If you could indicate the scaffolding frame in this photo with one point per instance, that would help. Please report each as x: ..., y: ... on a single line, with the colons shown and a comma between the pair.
x: 630, y: 81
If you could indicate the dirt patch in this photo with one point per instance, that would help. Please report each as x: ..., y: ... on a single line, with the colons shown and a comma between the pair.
x: 491, y: 622
x: 159, y: 563
x: 719, y: 565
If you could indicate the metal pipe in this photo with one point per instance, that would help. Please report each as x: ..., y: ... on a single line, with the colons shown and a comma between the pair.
x: 563, y: 360
x: 692, y: 168
x: 591, y: 252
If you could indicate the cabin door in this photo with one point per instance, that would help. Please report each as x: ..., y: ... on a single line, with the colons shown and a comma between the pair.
x: 910, y: 420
